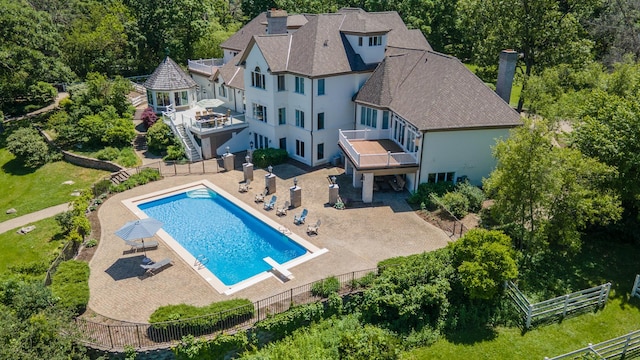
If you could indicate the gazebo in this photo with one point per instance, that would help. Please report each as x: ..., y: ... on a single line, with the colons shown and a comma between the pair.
x: 170, y: 85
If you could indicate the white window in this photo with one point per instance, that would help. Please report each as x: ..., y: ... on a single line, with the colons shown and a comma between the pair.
x: 281, y: 83
x: 440, y: 177
x: 368, y: 116
x: 260, y: 112
x: 257, y: 78
x: 300, y: 148
x: 282, y: 116
x: 223, y: 91
x: 300, y: 118
x: 162, y: 99
x: 299, y: 85
x: 320, y: 87
x: 375, y: 40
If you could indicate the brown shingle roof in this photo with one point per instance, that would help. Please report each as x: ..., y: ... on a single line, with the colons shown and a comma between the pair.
x: 169, y: 76
x: 319, y: 48
x: 435, y: 92
x: 241, y: 38
x: 231, y: 74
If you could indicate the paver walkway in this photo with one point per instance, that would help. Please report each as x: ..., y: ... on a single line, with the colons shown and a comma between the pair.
x: 33, y: 217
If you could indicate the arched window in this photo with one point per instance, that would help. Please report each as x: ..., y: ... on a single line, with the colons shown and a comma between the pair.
x: 257, y: 78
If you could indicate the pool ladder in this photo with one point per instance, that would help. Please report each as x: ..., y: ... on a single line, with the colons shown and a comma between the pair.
x: 201, y: 261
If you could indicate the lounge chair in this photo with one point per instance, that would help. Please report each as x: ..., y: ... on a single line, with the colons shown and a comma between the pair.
x: 152, y: 269
x: 139, y: 245
x: 282, y: 210
x: 271, y: 203
x: 244, y: 187
x: 299, y: 219
x: 260, y: 197
x: 398, y: 183
x: 313, y: 229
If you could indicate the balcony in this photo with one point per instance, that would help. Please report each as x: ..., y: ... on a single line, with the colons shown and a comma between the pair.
x: 374, y: 149
x: 204, y: 66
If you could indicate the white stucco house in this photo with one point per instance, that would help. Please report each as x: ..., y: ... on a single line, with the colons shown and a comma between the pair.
x: 362, y: 87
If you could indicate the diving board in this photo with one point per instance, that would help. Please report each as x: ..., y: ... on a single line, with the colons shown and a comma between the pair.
x: 278, y: 267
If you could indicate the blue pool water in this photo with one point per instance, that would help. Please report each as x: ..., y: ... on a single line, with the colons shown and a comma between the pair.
x: 235, y: 242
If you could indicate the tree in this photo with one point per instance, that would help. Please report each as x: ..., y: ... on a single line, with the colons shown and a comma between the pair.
x: 28, y: 146
x: 159, y: 138
x: 545, y: 32
x: 545, y: 194
x: 616, y: 30
x: 484, y: 259
x: 29, y: 51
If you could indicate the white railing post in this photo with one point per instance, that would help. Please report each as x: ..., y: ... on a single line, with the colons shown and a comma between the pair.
x: 388, y: 157
x: 566, y: 303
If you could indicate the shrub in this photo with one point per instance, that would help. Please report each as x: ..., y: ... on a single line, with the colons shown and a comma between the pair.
x: 42, y: 93
x: 28, y: 146
x: 148, y: 117
x: 423, y: 195
x: 144, y: 176
x: 190, y: 315
x: 262, y: 158
x: 283, y: 324
x: 175, y: 152
x: 369, y: 342
x: 127, y: 157
x: 326, y: 287
x: 159, y: 138
x: 91, y: 243
x: 456, y: 203
x: 101, y: 187
x: 71, y: 285
x: 109, y: 154
x: 473, y: 193
x: 221, y: 347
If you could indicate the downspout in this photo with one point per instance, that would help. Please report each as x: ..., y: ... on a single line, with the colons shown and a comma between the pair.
x: 311, y: 151
x: 423, y: 135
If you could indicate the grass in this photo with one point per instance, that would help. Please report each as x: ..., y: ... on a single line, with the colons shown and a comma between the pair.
x: 515, y: 90
x: 29, y: 190
x: 599, y: 262
x: 37, y: 246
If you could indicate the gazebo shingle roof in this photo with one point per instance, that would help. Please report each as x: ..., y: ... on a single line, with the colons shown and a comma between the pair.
x: 169, y: 76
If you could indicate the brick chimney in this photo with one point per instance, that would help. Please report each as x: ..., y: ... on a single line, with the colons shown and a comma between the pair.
x: 506, y: 71
x: 276, y: 21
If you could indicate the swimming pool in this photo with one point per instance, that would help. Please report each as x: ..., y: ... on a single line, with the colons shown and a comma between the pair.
x: 210, y: 226
x: 201, y: 219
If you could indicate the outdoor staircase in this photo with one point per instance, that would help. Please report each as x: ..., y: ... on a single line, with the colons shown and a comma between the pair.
x: 199, y: 194
x: 192, y: 153
x: 119, y: 176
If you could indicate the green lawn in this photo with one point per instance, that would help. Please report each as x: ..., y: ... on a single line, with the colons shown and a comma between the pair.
x: 31, y: 190
x: 38, y: 245
x: 599, y: 262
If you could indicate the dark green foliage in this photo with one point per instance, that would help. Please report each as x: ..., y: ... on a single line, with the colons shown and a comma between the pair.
x: 262, y: 158
x: 484, y: 260
x: 28, y: 146
x: 411, y: 294
x: 474, y: 195
x: 101, y: 187
x: 423, y: 195
x: 219, y: 348
x: 109, y: 153
x: 144, y: 176
x: 325, y: 287
x: 283, y: 324
x: 175, y: 152
x: 42, y: 93
x: 159, y: 138
x: 71, y: 285
x: 456, y: 203
x: 368, y: 342
x: 364, y: 281
x: 197, y: 316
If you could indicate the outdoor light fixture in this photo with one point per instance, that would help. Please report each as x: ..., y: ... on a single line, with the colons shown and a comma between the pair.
x: 295, y: 182
x: 251, y: 144
x: 246, y: 158
x: 333, y: 180
x: 270, y: 169
x: 228, y: 150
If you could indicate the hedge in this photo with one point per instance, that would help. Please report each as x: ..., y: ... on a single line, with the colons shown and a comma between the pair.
x: 190, y: 315
x: 262, y: 158
x: 70, y: 284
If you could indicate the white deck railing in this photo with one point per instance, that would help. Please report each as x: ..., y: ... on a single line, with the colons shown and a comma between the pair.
x: 373, y: 160
x: 206, y: 66
x: 169, y: 115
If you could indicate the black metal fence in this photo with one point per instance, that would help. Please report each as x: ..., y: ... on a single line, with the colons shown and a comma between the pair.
x: 68, y: 252
x: 175, y: 168
x: 162, y: 335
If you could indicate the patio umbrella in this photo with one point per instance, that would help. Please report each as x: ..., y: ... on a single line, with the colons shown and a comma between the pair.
x: 139, y: 229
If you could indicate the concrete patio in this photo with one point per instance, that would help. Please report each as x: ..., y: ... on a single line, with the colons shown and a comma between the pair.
x: 357, y: 239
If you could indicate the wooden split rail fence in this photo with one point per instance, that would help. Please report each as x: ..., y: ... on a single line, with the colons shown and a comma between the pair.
x: 623, y: 347
x: 561, y: 306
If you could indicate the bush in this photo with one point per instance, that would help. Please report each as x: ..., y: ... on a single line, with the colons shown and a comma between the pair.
x: 221, y: 347
x: 423, y: 195
x: 196, y: 315
x: 109, y: 154
x: 42, y: 93
x: 159, y: 138
x: 175, y: 152
x: 28, y: 146
x: 473, y: 193
x: 369, y: 342
x: 456, y: 203
x: 326, y: 287
x: 262, y: 158
x: 101, y: 187
x: 127, y: 157
x: 144, y: 176
x: 283, y: 324
x: 148, y: 117
x: 71, y: 285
